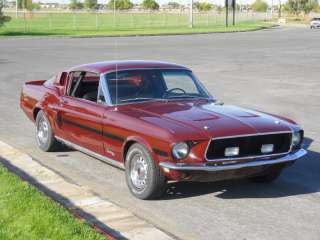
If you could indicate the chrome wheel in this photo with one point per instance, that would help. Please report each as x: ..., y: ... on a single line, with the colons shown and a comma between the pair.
x: 42, y: 131
x: 143, y: 175
x: 139, y: 171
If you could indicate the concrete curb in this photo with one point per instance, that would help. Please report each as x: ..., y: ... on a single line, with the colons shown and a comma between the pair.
x: 105, y: 217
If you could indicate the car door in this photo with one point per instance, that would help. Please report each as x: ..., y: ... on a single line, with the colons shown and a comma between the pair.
x: 81, y: 119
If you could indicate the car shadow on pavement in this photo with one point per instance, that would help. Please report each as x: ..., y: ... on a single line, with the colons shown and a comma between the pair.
x: 301, y: 178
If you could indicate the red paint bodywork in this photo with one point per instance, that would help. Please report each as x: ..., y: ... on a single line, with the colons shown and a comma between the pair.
x: 156, y: 125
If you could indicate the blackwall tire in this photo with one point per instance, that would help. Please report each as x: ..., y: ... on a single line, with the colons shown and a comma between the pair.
x: 144, y: 178
x: 44, y: 134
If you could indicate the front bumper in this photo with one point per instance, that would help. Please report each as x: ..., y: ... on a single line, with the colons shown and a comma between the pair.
x: 291, y: 157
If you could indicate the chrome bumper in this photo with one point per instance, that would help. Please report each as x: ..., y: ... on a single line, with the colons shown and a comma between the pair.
x: 291, y: 157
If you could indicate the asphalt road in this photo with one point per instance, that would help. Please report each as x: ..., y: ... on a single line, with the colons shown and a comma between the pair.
x: 273, y: 70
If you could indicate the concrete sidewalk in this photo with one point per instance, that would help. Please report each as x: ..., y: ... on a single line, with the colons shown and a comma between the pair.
x: 113, y: 220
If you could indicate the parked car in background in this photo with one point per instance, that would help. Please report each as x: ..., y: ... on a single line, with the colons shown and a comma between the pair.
x: 159, y: 123
x: 315, y: 23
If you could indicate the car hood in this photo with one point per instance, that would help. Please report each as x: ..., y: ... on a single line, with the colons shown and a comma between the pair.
x: 205, y: 120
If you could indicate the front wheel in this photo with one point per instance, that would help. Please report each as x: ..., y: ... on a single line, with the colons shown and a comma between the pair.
x: 143, y: 176
x: 44, y: 134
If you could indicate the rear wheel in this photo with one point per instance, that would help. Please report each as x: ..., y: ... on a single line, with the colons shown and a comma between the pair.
x: 268, y: 176
x: 44, y: 134
x: 143, y: 176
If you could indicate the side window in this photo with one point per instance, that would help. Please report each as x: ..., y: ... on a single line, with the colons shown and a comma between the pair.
x: 63, y: 78
x: 101, y: 98
x: 179, y: 80
x: 73, y: 81
x: 84, y: 85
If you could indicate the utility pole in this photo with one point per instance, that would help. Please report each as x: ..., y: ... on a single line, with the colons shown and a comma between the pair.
x: 114, y: 13
x: 233, y: 12
x: 16, y: 8
x: 191, y: 14
x: 227, y: 12
x: 279, y: 9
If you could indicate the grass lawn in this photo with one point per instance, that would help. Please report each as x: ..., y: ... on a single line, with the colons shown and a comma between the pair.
x: 26, y: 213
x: 125, y: 24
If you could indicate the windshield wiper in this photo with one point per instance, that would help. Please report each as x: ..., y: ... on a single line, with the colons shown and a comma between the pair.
x: 185, y: 96
x: 138, y: 99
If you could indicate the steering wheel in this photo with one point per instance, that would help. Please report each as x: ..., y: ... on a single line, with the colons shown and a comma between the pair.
x: 175, y: 89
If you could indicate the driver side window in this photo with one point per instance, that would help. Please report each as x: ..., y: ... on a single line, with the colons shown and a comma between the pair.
x: 74, y: 78
x: 84, y: 85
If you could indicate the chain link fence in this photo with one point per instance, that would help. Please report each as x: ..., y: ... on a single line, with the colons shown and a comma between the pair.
x: 127, y: 20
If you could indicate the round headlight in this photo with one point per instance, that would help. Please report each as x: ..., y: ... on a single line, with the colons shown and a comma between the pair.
x: 296, y: 138
x: 180, y: 150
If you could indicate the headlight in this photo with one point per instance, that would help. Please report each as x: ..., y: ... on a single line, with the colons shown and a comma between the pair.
x: 296, y: 138
x: 231, y: 151
x: 180, y: 150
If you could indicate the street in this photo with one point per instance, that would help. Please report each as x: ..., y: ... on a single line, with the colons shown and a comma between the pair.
x: 274, y: 70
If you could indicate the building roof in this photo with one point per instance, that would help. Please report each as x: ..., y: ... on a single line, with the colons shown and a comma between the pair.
x: 109, y: 66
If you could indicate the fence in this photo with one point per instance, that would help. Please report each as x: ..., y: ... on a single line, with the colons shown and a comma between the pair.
x: 126, y: 20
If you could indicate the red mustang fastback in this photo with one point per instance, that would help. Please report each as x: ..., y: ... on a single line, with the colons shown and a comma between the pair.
x: 159, y: 123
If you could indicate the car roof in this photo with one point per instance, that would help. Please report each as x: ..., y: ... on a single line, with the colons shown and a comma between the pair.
x: 110, y: 66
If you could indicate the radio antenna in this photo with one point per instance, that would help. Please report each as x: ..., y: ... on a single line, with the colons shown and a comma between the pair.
x: 116, y: 106
x: 116, y: 54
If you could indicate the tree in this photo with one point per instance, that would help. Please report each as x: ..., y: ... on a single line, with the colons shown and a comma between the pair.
x: 203, y: 6
x: 120, y: 4
x: 75, y: 5
x: 3, y: 18
x: 219, y: 9
x: 298, y: 6
x: 259, y: 6
x: 31, y: 6
x: 150, y: 4
x: 174, y: 5
x: 90, y: 4
x: 26, y: 4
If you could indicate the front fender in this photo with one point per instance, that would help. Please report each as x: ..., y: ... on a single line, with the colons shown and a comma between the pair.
x: 153, y: 149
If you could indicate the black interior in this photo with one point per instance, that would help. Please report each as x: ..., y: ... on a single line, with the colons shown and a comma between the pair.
x: 80, y: 88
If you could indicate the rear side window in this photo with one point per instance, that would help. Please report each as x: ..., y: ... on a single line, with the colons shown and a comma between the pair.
x: 63, y: 78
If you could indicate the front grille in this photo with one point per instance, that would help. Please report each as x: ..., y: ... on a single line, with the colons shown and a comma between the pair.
x: 250, y: 146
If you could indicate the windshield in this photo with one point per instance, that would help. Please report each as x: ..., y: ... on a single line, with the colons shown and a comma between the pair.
x: 156, y: 84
